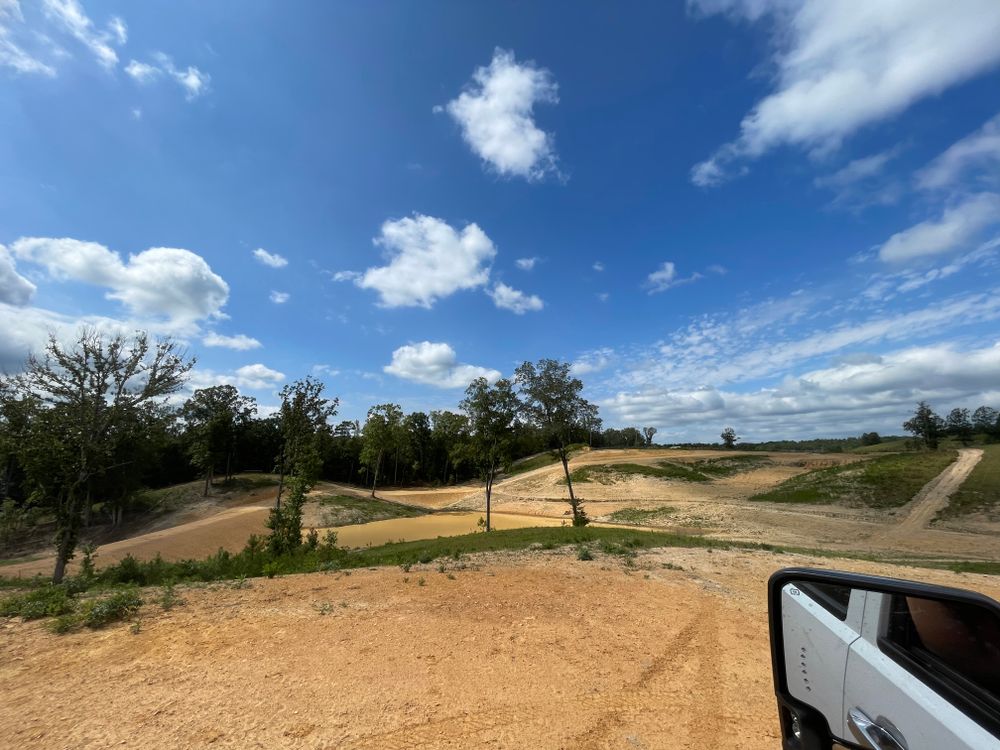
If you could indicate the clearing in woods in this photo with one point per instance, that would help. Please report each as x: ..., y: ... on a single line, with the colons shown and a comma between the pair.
x: 661, y: 647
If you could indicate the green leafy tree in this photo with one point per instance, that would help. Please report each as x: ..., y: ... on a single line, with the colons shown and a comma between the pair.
x: 958, y: 424
x: 870, y: 438
x: 304, y: 419
x: 729, y: 437
x: 552, y: 399
x: 986, y: 420
x: 381, y: 437
x: 926, y: 425
x: 87, y: 396
x: 215, y: 417
x: 449, y: 436
x: 491, y: 411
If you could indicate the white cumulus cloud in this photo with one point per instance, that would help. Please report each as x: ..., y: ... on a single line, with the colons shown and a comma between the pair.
x: 958, y: 226
x: 496, y: 114
x: 14, y: 288
x: 270, y: 259
x: 161, y: 281
x: 526, y: 264
x: 435, y: 364
x: 508, y: 298
x: 841, y: 65
x: 280, y: 298
x: 427, y: 259
x: 240, y: 342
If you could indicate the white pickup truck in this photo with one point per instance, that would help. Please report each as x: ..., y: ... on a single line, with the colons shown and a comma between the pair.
x: 883, y: 664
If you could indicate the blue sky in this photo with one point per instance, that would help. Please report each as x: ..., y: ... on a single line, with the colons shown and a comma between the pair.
x: 780, y: 216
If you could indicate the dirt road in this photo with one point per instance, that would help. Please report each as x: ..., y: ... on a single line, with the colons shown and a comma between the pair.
x: 934, y: 495
x: 529, y: 650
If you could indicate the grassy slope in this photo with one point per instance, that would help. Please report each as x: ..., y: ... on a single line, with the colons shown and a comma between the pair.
x: 728, y: 466
x: 611, y: 473
x: 181, y: 495
x: 540, y: 460
x: 343, y: 510
x: 640, y: 517
x: 883, y: 482
x: 704, y: 470
x: 887, y: 446
x: 981, y: 490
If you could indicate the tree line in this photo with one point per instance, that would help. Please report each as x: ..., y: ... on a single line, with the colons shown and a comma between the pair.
x: 960, y: 423
x: 85, y: 427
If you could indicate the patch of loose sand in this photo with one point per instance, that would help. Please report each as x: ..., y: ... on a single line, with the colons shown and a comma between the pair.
x: 517, y: 650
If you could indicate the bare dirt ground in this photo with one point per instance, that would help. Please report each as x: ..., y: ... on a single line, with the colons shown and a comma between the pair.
x: 721, y: 508
x: 516, y: 650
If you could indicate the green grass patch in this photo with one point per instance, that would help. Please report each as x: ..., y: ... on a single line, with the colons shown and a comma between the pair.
x: 344, y: 510
x: 980, y: 492
x: 882, y: 482
x: 639, y: 516
x: 890, y: 445
x: 728, y: 466
x: 611, y: 473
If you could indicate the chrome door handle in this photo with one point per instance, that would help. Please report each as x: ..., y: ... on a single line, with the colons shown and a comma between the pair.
x: 876, y: 735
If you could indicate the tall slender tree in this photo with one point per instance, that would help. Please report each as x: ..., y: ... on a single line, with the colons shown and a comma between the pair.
x: 381, y: 436
x: 305, y: 423
x: 553, y: 401
x: 491, y: 411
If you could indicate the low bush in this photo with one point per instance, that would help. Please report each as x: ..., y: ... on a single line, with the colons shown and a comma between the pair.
x: 120, y: 605
x: 48, y: 601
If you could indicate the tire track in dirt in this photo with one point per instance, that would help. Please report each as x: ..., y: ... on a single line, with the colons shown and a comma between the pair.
x: 603, y: 711
x: 649, y: 696
x: 932, y: 497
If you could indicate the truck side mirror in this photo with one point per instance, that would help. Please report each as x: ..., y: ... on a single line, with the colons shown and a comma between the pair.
x: 883, y: 664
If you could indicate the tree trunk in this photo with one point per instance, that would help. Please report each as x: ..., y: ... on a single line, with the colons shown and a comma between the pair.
x: 378, y: 462
x: 60, y: 572
x: 87, y: 508
x: 569, y: 482
x: 395, y: 470
x: 281, y: 478
x: 229, y: 457
x: 208, y: 481
x: 489, y: 497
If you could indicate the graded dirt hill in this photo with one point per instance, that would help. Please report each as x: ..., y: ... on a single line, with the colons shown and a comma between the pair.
x: 521, y: 650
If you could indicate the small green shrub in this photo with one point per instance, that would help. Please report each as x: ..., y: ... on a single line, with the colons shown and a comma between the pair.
x: 64, y: 624
x: 87, y: 569
x: 120, y: 605
x: 48, y: 601
x: 169, y: 598
x: 583, y: 553
x: 270, y: 569
x: 312, y: 539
